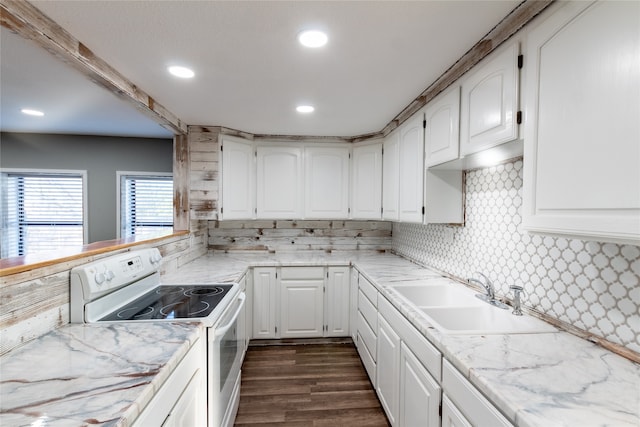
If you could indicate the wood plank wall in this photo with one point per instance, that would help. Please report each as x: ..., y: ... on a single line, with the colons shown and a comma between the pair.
x: 36, y: 301
x: 297, y: 235
x: 203, y: 160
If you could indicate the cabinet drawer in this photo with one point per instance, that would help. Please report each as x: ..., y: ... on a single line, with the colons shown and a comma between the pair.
x: 369, y: 290
x: 428, y: 355
x: 367, y: 360
x: 368, y: 335
x: 368, y: 311
x: 301, y: 273
x: 474, y: 406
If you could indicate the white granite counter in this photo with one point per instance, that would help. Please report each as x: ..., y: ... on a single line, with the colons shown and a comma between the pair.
x: 84, y: 375
x: 545, y: 379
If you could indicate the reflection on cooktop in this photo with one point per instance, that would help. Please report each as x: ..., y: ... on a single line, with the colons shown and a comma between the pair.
x: 172, y: 302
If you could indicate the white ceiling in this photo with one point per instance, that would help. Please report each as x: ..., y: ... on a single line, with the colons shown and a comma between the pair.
x: 250, y: 70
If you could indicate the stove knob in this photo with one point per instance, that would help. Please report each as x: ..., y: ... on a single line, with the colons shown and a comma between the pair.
x: 155, y: 258
x: 100, y: 278
x: 110, y: 275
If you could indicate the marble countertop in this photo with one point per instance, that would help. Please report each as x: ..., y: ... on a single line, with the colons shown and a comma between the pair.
x: 106, y: 374
x: 544, y: 379
x: 91, y: 374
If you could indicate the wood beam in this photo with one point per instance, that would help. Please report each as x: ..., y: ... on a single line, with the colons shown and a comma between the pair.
x: 29, y: 22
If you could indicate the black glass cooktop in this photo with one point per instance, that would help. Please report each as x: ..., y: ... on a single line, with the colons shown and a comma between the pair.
x: 172, y: 302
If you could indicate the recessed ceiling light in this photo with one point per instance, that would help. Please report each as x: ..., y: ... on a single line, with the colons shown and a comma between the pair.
x: 182, y: 72
x: 313, y: 38
x: 304, y: 109
x: 31, y: 112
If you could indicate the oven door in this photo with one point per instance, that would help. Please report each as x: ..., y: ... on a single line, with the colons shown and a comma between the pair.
x: 226, y: 350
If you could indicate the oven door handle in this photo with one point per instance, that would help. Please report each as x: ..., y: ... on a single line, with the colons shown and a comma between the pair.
x: 223, y: 330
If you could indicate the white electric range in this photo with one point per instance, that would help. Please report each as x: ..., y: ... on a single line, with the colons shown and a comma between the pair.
x: 127, y: 288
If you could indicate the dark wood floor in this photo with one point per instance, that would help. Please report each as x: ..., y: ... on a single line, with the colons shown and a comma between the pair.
x: 307, y: 385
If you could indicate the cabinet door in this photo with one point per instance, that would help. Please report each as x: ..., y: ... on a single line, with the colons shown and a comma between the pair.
x: 411, y: 165
x: 353, y: 303
x: 238, y: 178
x: 582, y: 151
x: 337, y: 302
x: 490, y: 102
x: 279, y: 182
x: 390, y: 176
x: 326, y: 182
x: 188, y: 410
x: 264, y: 302
x: 301, y: 304
x: 451, y: 416
x: 419, y: 393
x: 388, y: 366
x: 442, y: 132
x: 366, y: 182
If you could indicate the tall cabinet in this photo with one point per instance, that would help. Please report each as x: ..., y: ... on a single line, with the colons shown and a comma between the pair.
x: 582, y: 153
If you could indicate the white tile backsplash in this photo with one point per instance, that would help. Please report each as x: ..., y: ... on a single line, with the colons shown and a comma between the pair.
x: 592, y: 286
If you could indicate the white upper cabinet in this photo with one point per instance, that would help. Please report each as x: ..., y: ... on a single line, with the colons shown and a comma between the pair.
x: 442, y: 131
x: 390, y: 176
x: 238, y: 178
x: 366, y: 181
x: 411, y: 165
x: 582, y: 133
x: 489, y: 103
x: 279, y: 182
x: 326, y: 175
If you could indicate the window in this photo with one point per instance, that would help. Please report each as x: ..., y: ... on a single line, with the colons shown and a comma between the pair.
x: 146, y: 204
x: 41, y: 211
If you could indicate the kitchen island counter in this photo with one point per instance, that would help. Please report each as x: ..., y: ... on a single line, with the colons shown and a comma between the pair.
x: 91, y: 374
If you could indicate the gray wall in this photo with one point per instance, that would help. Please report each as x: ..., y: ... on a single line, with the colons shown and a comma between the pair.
x: 100, y: 156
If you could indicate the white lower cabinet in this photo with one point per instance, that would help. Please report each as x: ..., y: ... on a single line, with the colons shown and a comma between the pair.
x: 264, y: 303
x: 406, y: 388
x: 300, y: 302
x: 182, y: 399
x: 353, y: 304
x: 419, y: 393
x: 470, y: 402
x: 451, y: 416
x: 388, y: 370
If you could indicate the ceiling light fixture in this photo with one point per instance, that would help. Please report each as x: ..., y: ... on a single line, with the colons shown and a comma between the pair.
x: 305, y: 109
x: 30, y: 112
x: 313, y: 38
x: 182, y: 72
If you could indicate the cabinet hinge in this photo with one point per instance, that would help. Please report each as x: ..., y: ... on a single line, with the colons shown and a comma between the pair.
x: 276, y: 274
x: 383, y: 151
x: 221, y: 147
x: 348, y: 210
x: 440, y: 410
x: 423, y: 210
x: 424, y: 123
x: 520, y: 61
x: 349, y: 155
x: 276, y: 329
x: 221, y: 210
x: 519, y: 117
x: 255, y: 153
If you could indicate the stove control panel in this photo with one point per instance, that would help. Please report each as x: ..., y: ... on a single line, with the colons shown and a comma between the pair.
x: 101, y: 277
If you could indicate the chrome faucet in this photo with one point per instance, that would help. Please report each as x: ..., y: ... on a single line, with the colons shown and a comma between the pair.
x: 517, y: 303
x: 486, y: 284
x: 490, y: 296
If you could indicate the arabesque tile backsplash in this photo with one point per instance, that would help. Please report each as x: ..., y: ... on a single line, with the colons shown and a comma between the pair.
x: 592, y: 286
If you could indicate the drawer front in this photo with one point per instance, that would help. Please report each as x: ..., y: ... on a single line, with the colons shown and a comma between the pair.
x: 367, y: 360
x: 474, y: 406
x: 428, y: 355
x: 301, y: 273
x: 368, y: 311
x: 368, y: 335
x: 369, y: 290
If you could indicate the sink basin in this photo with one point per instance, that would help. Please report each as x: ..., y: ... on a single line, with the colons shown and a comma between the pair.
x: 437, y: 295
x: 483, y: 320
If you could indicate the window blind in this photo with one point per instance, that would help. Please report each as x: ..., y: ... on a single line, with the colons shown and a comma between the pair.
x: 147, y: 205
x: 41, y: 213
